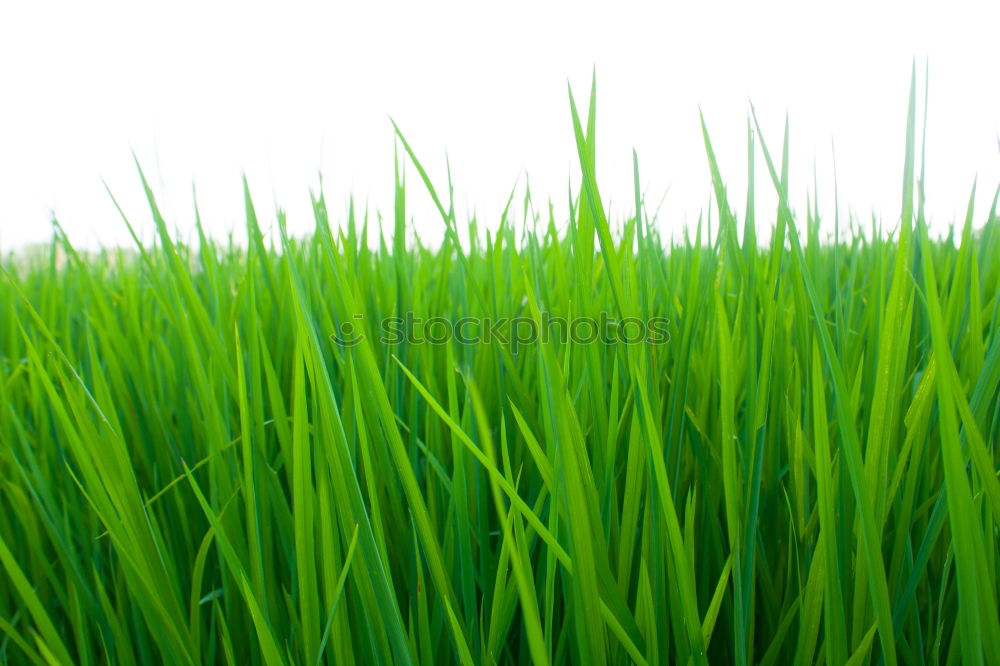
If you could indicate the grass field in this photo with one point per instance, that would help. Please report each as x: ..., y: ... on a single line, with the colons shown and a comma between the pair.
x: 212, y: 454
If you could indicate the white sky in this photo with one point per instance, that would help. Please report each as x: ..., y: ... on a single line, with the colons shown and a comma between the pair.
x: 205, y: 91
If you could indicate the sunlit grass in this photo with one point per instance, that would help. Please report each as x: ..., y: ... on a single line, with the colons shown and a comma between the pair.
x: 193, y: 471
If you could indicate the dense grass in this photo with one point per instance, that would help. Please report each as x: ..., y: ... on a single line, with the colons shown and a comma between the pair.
x: 192, y: 471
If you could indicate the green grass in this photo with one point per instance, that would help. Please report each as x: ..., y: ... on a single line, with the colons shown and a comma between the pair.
x: 193, y: 471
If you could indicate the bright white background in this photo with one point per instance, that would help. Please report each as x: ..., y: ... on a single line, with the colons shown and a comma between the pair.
x: 204, y: 91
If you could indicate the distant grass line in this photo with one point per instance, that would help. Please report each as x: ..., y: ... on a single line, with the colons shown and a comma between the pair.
x: 193, y: 472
